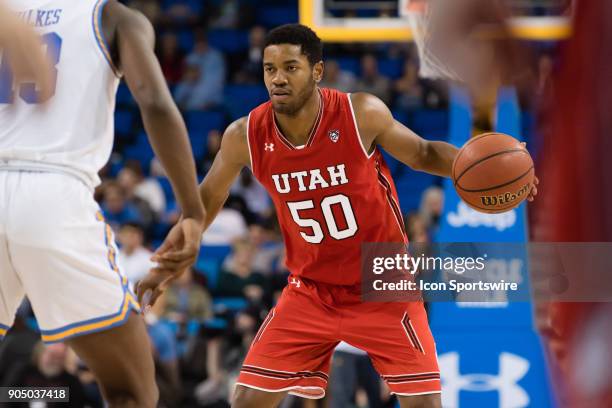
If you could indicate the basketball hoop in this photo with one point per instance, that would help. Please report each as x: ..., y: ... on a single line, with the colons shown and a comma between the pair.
x: 418, y: 13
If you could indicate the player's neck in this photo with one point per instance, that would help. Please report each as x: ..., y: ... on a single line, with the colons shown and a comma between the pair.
x: 297, y: 127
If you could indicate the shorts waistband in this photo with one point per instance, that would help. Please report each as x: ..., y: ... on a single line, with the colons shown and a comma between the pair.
x: 28, y: 167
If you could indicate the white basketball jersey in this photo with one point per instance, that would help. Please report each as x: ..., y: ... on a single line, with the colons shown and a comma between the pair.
x: 72, y: 132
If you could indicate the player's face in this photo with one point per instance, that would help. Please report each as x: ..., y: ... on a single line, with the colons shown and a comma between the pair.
x: 289, y: 77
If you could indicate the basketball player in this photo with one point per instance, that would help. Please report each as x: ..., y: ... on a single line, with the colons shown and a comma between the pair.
x: 316, y: 152
x: 54, y: 244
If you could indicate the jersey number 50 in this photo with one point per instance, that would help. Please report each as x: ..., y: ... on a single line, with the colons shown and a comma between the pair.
x: 27, y: 90
x: 326, y: 206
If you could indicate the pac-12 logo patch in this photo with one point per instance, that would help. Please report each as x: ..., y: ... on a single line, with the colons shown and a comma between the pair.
x: 334, y: 135
x: 269, y: 147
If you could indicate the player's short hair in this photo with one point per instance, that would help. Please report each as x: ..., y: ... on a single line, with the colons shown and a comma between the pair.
x: 297, y: 34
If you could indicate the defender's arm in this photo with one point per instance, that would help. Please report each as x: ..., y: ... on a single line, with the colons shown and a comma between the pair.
x: 134, y: 38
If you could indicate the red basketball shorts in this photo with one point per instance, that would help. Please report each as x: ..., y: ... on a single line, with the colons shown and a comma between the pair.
x: 293, y: 348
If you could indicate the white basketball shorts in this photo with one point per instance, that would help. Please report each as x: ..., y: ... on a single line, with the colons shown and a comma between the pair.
x: 56, y: 249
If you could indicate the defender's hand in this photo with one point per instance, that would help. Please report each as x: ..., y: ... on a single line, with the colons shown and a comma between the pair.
x: 177, y: 253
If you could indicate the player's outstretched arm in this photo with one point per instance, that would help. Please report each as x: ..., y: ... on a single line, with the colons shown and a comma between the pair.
x: 133, y: 37
x: 377, y: 126
x: 232, y: 157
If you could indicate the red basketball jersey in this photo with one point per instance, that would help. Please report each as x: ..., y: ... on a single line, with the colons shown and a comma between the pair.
x: 330, y: 194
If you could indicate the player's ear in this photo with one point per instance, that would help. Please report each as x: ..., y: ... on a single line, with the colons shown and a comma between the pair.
x: 317, y: 72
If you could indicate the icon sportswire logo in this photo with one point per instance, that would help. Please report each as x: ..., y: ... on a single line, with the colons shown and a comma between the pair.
x: 465, y: 216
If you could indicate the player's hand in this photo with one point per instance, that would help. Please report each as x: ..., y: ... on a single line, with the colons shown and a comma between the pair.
x: 177, y: 253
x: 26, y: 58
x: 152, y: 286
x: 534, y: 189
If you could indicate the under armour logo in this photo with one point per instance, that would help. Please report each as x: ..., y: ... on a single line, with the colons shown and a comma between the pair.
x: 296, y: 282
x: 269, y: 147
x: 334, y: 135
x: 512, y: 369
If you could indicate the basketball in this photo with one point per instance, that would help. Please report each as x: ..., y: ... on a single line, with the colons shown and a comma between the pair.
x: 493, y: 173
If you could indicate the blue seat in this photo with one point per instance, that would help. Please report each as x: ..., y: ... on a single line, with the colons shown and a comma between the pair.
x: 198, y: 144
x: 124, y: 121
x: 401, y: 116
x: 124, y: 96
x: 210, y: 268
x: 349, y: 64
x: 216, y: 251
x: 166, y: 187
x: 141, y: 150
x: 391, y: 68
x: 209, y: 262
x: 204, y: 121
x: 215, y: 324
x: 410, y: 185
x: 273, y: 16
x: 185, y: 40
x: 241, y: 99
x: 196, y: 6
x: 431, y: 123
x: 392, y: 163
x: 229, y: 41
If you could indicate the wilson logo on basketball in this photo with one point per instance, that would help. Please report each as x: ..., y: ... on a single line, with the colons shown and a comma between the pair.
x: 504, y: 198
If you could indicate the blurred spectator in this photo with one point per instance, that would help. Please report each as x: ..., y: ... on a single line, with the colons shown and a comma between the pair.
x: 171, y: 58
x: 149, y: 8
x: 222, y: 380
x: 416, y: 229
x: 16, y: 347
x: 430, y: 210
x: 353, y: 370
x: 253, y: 193
x: 185, y: 300
x: 165, y: 355
x: 48, y: 370
x: 408, y: 88
x: 202, y: 86
x: 214, y: 387
x: 227, y: 226
x: 182, y: 12
x: 135, y: 258
x: 117, y: 210
x: 139, y: 188
x: 76, y: 367
x: 213, y: 144
x: 372, y: 81
x: 228, y: 15
x: 267, y: 249
x: 239, y: 279
x: 334, y: 77
x: 251, y: 70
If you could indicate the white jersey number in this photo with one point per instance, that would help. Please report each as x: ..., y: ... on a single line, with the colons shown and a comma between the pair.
x: 326, y: 206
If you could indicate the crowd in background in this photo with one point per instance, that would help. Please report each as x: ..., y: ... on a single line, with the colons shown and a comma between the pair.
x: 201, y: 330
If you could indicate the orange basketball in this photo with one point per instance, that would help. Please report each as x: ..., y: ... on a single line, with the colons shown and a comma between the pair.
x: 493, y: 173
